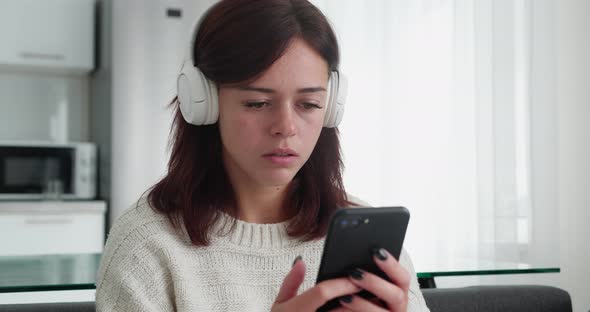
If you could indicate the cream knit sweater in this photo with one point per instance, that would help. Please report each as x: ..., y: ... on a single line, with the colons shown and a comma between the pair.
x: 147, y: 266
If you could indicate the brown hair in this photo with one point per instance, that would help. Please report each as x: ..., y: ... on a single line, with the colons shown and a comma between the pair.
x: 237, y: 41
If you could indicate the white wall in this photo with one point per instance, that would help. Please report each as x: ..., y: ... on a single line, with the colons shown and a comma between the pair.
x: 574, y: 149
x: 43, y: 106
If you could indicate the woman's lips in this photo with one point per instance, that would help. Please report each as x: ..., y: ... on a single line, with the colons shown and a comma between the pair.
x: 281, y: 160
x: 281, y: 156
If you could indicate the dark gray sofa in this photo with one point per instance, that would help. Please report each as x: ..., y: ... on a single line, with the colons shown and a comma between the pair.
x: 523, y: 298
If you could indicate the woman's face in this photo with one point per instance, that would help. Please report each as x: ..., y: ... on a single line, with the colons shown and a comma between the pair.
x: 270, y: 126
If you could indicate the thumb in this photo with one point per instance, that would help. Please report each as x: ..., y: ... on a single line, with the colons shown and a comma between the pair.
x: 292, y: 281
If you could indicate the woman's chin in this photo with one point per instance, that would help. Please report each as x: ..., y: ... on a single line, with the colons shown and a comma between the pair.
x: 277, y: 179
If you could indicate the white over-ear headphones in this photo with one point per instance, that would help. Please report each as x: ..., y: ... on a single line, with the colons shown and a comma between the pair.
x: 199, y: 103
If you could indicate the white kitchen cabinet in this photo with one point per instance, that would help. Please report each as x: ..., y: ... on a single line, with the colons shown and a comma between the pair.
x: 56, y: 35
x: 82, y: 295
x: 51, y: 227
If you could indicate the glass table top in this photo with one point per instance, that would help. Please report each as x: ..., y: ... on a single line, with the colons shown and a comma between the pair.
x: 78, y: 271
x: 472, y: 266
x: 48, y: 272
x: 487, y: 272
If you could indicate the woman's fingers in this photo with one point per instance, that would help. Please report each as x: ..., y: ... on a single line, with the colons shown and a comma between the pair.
x: 392, y: 268
x: 292, y: 281
x: 394, y: 293
x: 386, y: 291
x: 356, y: 303
x: 324, y: 291
x: 313, y: 298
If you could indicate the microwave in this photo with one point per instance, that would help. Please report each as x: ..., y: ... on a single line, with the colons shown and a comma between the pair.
x: 31, y: 170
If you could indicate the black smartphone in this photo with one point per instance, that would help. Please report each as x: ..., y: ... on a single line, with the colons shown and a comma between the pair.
x: 353, y: 234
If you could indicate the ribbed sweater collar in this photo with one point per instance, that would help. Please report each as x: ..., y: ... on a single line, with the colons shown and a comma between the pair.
x: 253, y: 235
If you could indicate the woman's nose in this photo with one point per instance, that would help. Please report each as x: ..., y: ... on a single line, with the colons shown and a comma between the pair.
x: 283, y: 124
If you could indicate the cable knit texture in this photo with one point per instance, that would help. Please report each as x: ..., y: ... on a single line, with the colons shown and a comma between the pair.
x: 148, y: 266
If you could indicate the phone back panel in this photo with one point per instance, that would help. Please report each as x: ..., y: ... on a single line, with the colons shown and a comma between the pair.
x: 348, y: 245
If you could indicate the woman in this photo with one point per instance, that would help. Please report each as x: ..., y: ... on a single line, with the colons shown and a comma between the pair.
x: 238, y: 222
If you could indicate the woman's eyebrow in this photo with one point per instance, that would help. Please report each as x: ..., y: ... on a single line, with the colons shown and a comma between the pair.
x: 311, y: 90
x: 268, y: 90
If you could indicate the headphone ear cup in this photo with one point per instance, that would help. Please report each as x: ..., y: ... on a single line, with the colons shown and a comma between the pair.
x: 197, y: 96
x: 336, y: 98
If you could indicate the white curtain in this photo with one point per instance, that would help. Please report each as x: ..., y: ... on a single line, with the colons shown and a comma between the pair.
x: 450, y: 113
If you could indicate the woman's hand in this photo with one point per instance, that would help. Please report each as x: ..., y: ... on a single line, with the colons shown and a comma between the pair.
x: 313, y: 298
x: 391, y: 296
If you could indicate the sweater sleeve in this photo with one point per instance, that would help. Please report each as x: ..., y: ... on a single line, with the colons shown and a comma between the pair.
x: 416, y: 302
x: 132, y: 274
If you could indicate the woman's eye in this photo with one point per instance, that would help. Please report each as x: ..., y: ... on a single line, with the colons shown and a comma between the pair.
x: 260, y: 104
x: 311, y: 106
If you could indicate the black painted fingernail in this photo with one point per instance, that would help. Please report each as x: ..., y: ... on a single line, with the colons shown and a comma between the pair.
x: 356, y: 274
x: 346, y: 299
x: 380, y: 253
x: 296, y: 259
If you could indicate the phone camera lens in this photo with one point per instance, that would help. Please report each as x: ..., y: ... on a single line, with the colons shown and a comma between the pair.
x: 344, y: 223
